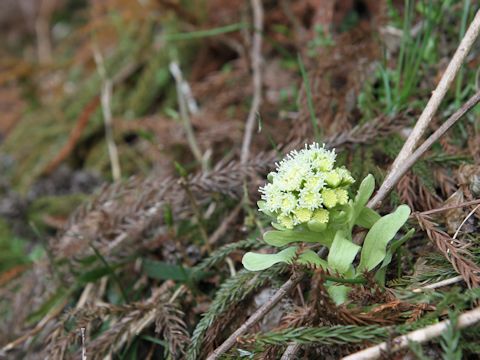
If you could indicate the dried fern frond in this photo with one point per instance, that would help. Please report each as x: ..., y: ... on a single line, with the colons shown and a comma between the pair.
x: 454, y: 250
x: 170, y: 324
x: 367, y: 133
x: 125, y: 322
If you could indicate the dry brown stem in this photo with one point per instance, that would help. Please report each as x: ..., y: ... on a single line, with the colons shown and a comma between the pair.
x: 74, y: 136
x: 256, y: 57
x: 467, y: 319
x: 426, y: 117
x: 396, y: 173
x: 446, y: 208
x: 106, y: 96
x: 252, y: 320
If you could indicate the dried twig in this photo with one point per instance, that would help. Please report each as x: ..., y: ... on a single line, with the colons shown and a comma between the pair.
x: 256, y: 56
x: 257, y: 315
x: 225, y: 225
x: 186, y: 104
x: 450, y: 207
x: 465, y: 220
x: 397, y: 172
x: 107, y: 114
x: 75, y: 135
x: 430, y: 110
x: 291, y: 352
x: 467, y: 319
x: 42, y: 29
x: 439, y: 284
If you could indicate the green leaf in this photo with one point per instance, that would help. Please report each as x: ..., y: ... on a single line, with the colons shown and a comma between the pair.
x: 155, y: 340
x: 377, y: 239
x: 339, y: 293
x: 363, y: 194
x: 338, y: 218
x: 309, y: 258
x: 380, y: 274
x: 367, y: 218
x: 342, y: 253
x: 316, y: 226
x: 278, y: 226
x: 161, y: 270
x: 395, y: 245
x: 256, y: 262
x: 282, y: 238
x: 93, y: 275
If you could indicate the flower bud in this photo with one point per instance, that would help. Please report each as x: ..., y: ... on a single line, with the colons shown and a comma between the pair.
x: 329, y: 198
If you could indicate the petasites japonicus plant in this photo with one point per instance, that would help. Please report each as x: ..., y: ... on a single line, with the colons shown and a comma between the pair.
x: 308, y: 199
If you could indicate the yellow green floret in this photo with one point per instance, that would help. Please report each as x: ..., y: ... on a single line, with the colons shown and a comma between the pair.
x: 342, y: 196
x: 321, y: 216
x: 302, y: 215
x: 332, y: 178
x: 286, y: 221
x: 329, y: 198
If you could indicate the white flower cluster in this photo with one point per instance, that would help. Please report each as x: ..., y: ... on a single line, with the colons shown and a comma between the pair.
x: 305, y: 186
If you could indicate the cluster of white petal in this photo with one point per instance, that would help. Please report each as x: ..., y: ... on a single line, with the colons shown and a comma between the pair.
x: 305, y: 186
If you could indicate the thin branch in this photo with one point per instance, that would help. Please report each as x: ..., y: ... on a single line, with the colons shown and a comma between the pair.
x: 256, y: 55
x: 467, y: 319
x: 450, y: 207
x: 464, y: 221
x: 107, y: 114
x: 75, y: 135
x: 397, y: 172
x: 186, y: 104
x: 225, y: 225
x: 291, y: 352
x: 257, y: 315
x: 431, y: 108
x: 42, y: 30
x: 439, y: 284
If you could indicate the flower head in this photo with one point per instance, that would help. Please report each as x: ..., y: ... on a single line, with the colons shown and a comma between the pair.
x: 304, y: 186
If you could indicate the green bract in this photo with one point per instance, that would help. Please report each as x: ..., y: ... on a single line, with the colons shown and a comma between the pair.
x: 308, y: 199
